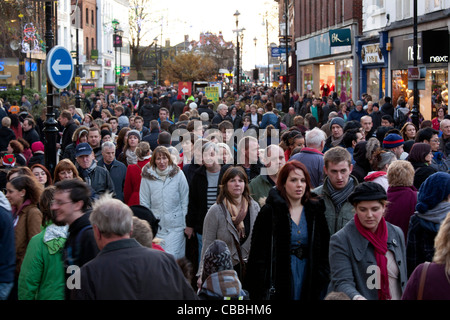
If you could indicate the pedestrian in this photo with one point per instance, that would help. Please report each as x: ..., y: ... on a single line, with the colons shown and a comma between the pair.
x: 133, y: 175
x: 421, y: 157
x: 65, y: 170
x: 365, y: 245
x: 128, y: 154
x: 231, y: 219
x: 436, y: 283
x: 381, y: 160
x: 72, y: 206
x: 289, y: 247
x: 219, y: 280
x: 8, y: 252
x: 202, y: 194
x: 433, y: 205
x: 23, y: 194
x: 38, y: 157
x: 338, y: 184
x: 95, y: 176
x: 140, y: 273
x: 117, y: 170
x: 80, y: 135
x: 401, y: 194
x: 42, y: 273
x: 162, y: 177
x: 42, y: 175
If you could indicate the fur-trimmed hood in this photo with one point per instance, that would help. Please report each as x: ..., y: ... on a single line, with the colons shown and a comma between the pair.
x: 148, y: 172
x: 77, y: 132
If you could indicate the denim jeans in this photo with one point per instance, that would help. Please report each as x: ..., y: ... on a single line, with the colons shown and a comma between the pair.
x: 5, y: 290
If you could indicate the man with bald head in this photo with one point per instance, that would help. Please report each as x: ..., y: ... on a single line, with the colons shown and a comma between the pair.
x: 367, y: 125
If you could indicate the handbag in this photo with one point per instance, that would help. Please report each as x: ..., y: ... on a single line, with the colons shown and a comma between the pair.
x: 243, y: 264
x: 271, y: 291
x: 423, y: 275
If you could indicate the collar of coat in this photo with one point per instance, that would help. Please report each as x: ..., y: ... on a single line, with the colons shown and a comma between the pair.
x: 149, y: 173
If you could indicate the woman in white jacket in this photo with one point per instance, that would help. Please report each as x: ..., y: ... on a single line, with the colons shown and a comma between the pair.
x: 165, y: 191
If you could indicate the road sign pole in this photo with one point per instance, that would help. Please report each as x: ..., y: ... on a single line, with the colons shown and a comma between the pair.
x: 50, y: 129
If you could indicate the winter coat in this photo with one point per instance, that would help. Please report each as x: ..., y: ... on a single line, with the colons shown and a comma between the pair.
x: 313, y: 160
x: 401, y: 206
x: 168, y: 200
x: 219, y: 225
x: 42, y: 273
x: 98, y: 178
x: 198, y: 202
x: 352, y: 255
x: 67, y: 135
x: 275, y: 217
x: 216, y: 285
x: 133, y: 183
x: 31, y: 136
x: 260, y: 187
x: 422, y: 230
x: 117, y: 173
x: 6, y: 135
x: 177, y: 109
x: 38, y: 157
x: 152, y: 138
x: 26, y: 227
x: 139, y: 273
x: 270, y: 118
x: 335, y: 220
x: 8, y: 250
x: 421, y: 172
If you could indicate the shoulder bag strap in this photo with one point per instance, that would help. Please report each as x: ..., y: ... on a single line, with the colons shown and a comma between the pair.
x: 422, y: 280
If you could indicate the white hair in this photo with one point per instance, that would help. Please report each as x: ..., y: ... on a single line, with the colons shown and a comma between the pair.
x: 314, y: 137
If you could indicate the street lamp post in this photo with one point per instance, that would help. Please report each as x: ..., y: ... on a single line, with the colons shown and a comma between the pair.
x: 255, y: 40
x: 286, y: 17
x: 50, y: 130
x: 236, y: 14
x: 415, y: 108
x: 155, y: 41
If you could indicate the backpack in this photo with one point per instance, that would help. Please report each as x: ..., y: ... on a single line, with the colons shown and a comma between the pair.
x: 73, y: 250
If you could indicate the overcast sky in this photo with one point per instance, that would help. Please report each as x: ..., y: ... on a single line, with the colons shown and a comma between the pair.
x: 192, y: 17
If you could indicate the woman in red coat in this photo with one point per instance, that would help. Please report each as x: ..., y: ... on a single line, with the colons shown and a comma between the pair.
x: 133, y: 176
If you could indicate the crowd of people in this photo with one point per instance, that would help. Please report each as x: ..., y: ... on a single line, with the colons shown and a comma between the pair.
x: 156, y: 195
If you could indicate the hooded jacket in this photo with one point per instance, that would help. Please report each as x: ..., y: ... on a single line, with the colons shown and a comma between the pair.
x: 42, y: 273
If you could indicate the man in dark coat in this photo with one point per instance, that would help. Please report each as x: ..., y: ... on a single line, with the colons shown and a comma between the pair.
x: 203, y: 107
x: 387, y: 107
x: 29, y: 131
x: 140, y: 273
x: 176, y: 108
x: 65, y: 119
x: 6, y: 133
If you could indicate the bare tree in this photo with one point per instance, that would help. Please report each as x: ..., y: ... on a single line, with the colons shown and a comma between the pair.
x: 138, y: 17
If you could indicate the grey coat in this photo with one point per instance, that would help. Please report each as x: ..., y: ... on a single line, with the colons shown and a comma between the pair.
x: 352, y: 257
x: 216, y: 227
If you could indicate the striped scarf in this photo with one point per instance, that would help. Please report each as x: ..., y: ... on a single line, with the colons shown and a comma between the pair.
x: 340, y: 196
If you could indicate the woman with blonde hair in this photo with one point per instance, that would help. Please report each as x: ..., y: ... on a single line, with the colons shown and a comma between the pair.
x: 401, y: 194
x: 437, y: 273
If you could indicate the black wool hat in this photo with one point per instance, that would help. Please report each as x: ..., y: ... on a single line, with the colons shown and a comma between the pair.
x: 367, y: 191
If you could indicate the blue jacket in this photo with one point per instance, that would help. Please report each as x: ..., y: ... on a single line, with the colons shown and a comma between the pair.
x: 269, y: 118
x: 356, y: 115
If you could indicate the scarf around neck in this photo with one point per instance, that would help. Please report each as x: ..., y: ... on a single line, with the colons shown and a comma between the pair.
x: 238, y: 215
x: 379, y: 242
x: 340, y: 196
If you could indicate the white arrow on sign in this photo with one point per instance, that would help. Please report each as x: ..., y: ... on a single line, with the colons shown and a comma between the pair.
x: 57, y: 67
x: 185, y: 90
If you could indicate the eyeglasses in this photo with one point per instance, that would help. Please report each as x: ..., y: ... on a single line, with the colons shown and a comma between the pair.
x: 434, y: 140
x: 59, y: 203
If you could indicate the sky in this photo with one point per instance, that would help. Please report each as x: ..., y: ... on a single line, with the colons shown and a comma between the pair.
x: 180, y: 17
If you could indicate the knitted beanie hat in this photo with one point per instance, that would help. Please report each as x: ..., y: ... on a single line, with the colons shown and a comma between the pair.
x: 339, y: 121
x: 37, y: 146
x: 134, y: 132
x: 432, y: 191
x: 217, y: 258
x: 393, y: 140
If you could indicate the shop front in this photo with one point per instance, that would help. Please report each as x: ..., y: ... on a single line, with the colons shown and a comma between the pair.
x: 432, y: 57
x: 325, y: 65
x: 373, y: 66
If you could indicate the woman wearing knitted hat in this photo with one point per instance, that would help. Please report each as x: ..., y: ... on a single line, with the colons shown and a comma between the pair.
x: 420, y: 157
x: 367, y: 256
x: 433, y: 205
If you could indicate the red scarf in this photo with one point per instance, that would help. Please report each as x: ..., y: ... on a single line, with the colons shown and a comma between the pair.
x: 379, y: 241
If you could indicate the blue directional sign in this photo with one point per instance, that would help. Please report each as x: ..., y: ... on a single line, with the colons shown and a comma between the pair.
x: 59, y: 67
